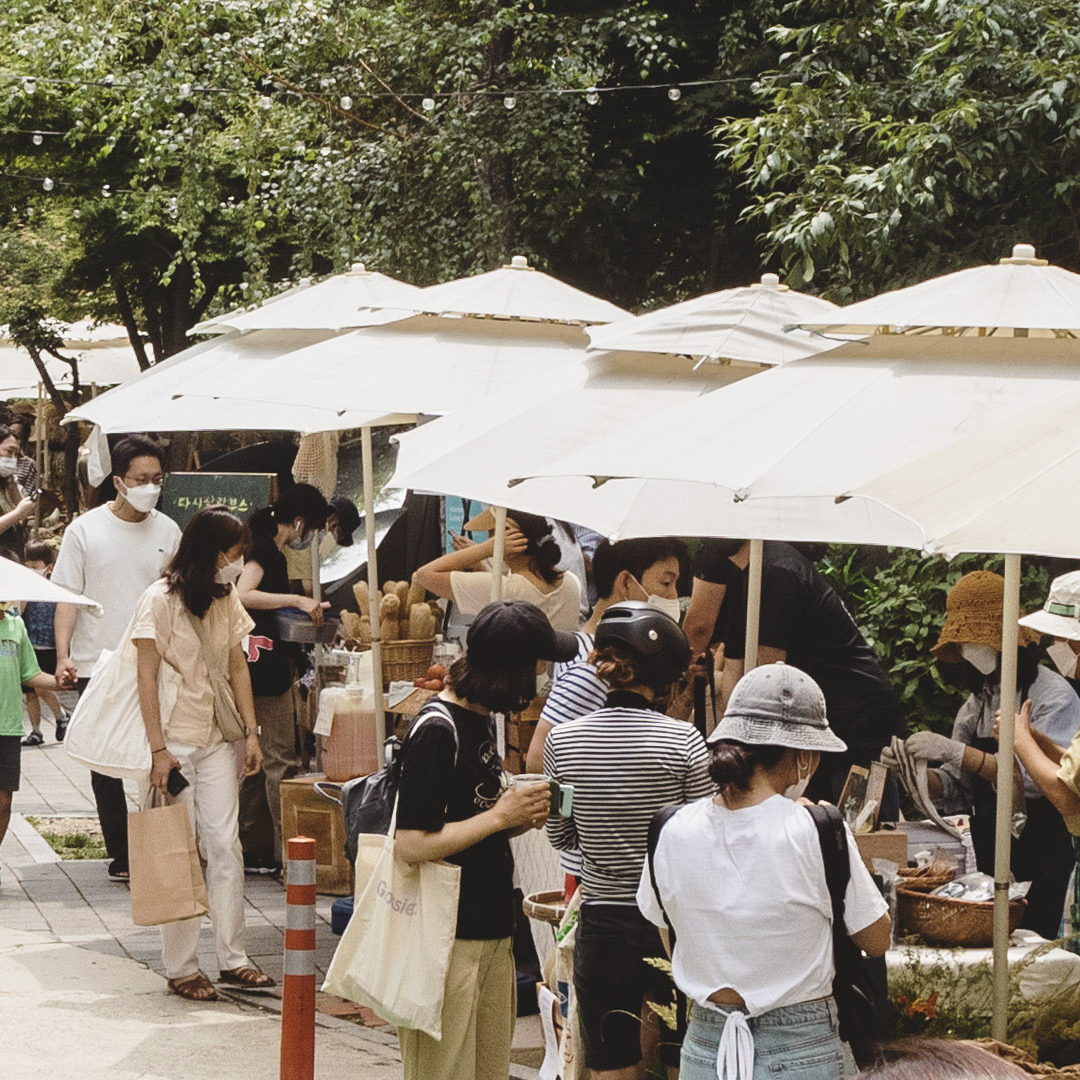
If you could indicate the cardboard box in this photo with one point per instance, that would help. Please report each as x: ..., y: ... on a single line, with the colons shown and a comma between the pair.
x: 304, y: 812
x: 888, y: 844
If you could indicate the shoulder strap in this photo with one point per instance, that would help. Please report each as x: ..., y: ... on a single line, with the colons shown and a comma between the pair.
x: 659, y: 820
x: 204, y: 642
x: 832, y: 837
x: 435, y: 707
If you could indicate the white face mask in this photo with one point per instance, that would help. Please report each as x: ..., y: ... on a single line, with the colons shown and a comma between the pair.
x: 8, y: 466
x: 1064, y: 658
x: 669, y: 605
x: 142, y: 498
x: 981, y: 657
x: 795, y: 791
x: 230, y: 572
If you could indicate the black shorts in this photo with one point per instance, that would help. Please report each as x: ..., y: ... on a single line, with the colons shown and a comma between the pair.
x: 611, y: 979
x: 10, y: 762
x: 46, y: 659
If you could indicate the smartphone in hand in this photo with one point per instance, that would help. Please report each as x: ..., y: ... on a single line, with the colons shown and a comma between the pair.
x: 176, y: 783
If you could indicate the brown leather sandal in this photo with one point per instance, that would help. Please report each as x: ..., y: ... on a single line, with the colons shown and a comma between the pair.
x: 247, y: 978
x: 195, y: 987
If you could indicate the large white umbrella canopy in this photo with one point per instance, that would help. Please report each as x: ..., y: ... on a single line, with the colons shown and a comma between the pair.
x: 1019, y: 296
x: 1009, y: 488
x: 18, y: 583
x: 341, y: 302
x: 747, y: 323
x: 517, y: 291
x: 476, y: 451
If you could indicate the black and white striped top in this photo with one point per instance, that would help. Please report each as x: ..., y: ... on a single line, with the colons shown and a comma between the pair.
x: 625, y: 764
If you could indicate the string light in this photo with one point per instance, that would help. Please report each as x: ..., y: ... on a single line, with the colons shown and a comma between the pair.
x: 29, y: 84
x: 592, y: 95
x: 674, y: 93
x: 427, y: 104
x: 37, y: 138
x: 346, y: 102
x: 47, y: 183
x: 509, y: 101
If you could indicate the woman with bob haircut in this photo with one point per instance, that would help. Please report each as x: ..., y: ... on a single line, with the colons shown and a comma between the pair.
x: 452, y: 805
x: 195, y: 600
x: 741, y: 880
x: 625, y: 762
x: 531, y: 555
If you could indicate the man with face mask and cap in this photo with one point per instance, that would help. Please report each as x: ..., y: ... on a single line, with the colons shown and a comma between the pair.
x: 111, y: 554
x: 967, y: 766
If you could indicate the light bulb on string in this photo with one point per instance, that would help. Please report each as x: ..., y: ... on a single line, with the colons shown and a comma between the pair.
x: 509, y: 101
x: 427, y: 104
x: 109, y: 80
x: 184, y: 89
x: 37, y: 138
x: 265, y: 102
x: 29, y: 84
x: 106, y: 191
x: 592, y: 95
x: 47, y: 184
x: 674, y: 93
x: 346, y: 102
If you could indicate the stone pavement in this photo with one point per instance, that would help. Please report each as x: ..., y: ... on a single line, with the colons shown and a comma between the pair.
x: 68, y: 916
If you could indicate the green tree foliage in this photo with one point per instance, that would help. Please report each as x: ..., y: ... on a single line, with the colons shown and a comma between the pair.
x: 897, y: 139
x: 202, y: 150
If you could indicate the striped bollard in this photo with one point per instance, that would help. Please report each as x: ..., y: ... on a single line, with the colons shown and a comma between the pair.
x: 298, y: 991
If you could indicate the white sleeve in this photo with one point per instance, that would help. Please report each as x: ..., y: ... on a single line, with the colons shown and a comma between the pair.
x: 472, y: 590
x: 69, y: 569
x: 647, y: 900
x: 863, y: 903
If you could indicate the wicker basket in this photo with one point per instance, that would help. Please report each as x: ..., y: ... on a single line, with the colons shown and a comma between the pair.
x: 923, y: 883
x: 941, y: 920
x: 406, y: 660
x: 549, y: 907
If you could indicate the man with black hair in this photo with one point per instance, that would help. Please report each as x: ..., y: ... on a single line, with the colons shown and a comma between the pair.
x: 648, y: 569
x: 803, y: 623
x: 111, y: 554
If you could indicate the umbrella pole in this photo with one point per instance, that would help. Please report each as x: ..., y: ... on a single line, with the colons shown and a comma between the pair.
x: 373, y: 593
x: 1003, y: 824
x: 498, y: 556
x: 39, y: 426
x: 753, y: 604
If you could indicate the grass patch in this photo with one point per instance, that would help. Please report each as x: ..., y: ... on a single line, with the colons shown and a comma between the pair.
x: 71, y: 838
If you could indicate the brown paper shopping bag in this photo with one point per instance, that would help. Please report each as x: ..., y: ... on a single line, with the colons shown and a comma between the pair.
x: 166, y: 878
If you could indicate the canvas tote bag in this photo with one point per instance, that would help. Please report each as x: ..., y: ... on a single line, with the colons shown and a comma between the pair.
x: 166, y: 877
x: 395, y: 952
x: 106, y: 732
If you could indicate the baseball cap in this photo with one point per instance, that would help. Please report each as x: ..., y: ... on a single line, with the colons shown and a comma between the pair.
x: 1060, y: 615
x: 512, y: 632
x: 777, y: 705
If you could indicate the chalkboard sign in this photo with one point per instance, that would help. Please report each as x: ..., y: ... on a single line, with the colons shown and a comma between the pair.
x: 243, y: 493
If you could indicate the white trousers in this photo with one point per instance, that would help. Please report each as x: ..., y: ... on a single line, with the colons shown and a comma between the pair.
x: 211, y: 798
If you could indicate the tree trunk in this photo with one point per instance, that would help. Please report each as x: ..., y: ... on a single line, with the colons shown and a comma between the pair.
x: 127, y: 314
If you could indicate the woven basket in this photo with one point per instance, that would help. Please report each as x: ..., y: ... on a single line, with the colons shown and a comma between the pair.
x: 406, y: 660
x: 549, y: 907
x: 941, y: 920
x: 923, y: 883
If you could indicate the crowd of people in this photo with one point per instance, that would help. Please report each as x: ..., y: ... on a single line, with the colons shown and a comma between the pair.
x: 731, y: 884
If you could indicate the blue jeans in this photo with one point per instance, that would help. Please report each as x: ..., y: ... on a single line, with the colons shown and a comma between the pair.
x: 797, y: 1042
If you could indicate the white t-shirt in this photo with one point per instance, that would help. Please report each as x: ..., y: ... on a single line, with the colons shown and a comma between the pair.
x: 472, y: 592
x: 111, y: 561
x: 746, y: 895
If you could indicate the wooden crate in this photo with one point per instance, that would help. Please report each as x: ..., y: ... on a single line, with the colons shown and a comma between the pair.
x: 520, y: 728
x: 306, y: 813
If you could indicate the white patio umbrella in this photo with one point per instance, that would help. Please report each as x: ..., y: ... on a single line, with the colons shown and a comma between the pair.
x: 18, y: 583
x: 746, y: 323
x: 341, y: 302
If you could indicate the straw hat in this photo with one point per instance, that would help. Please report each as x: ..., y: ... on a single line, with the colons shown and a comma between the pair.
x: 973, y: 612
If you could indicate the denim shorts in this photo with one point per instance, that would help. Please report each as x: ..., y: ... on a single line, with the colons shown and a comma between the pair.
x: 800, y: 1042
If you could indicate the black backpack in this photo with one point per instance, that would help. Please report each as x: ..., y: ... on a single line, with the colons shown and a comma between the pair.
x: 852, y: 989
x: 368, y: 801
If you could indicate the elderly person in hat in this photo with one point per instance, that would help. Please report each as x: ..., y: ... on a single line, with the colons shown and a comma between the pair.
x: 966, y: 776
x: 1056, y: 771
x: 741, y: 879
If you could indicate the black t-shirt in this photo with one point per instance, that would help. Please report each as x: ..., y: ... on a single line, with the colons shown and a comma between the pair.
x: 269, y: 658
x: 801, y: 614
x: 434, y: 791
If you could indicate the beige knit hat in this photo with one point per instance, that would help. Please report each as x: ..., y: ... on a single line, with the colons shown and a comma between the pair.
x: 973, y: 612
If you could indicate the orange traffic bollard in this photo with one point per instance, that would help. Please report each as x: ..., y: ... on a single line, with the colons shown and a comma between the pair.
x: 298, y: 991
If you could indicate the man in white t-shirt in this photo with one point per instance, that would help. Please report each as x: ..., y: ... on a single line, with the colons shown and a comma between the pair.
x: 111, y: 554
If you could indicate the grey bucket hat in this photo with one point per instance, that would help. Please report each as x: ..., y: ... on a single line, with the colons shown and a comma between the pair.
x: 777, y: 705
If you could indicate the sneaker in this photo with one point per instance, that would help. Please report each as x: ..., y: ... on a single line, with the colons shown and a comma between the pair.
x: 35, y: 738
x: 62, y: 723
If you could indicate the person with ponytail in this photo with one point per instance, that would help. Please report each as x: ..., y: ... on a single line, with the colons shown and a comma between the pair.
x: 531, y: 555
x: 264, y: 589
x: 624, y: 761
x: 740, y: 880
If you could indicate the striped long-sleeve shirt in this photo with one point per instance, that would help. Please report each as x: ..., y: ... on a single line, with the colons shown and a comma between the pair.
x: 625, y: 764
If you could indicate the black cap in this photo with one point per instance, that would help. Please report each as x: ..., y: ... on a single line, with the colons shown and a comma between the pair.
x: 515, y: 632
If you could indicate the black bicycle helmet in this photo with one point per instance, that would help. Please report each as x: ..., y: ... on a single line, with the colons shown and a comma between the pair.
x: 651, y: 637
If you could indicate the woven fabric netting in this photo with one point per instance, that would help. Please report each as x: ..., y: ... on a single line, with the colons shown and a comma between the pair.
x: 316, y: 461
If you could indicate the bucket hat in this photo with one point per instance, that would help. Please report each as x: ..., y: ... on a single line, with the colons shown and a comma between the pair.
x: 778, y: 705
x: 1060, y: 615
x: 973, y: 613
